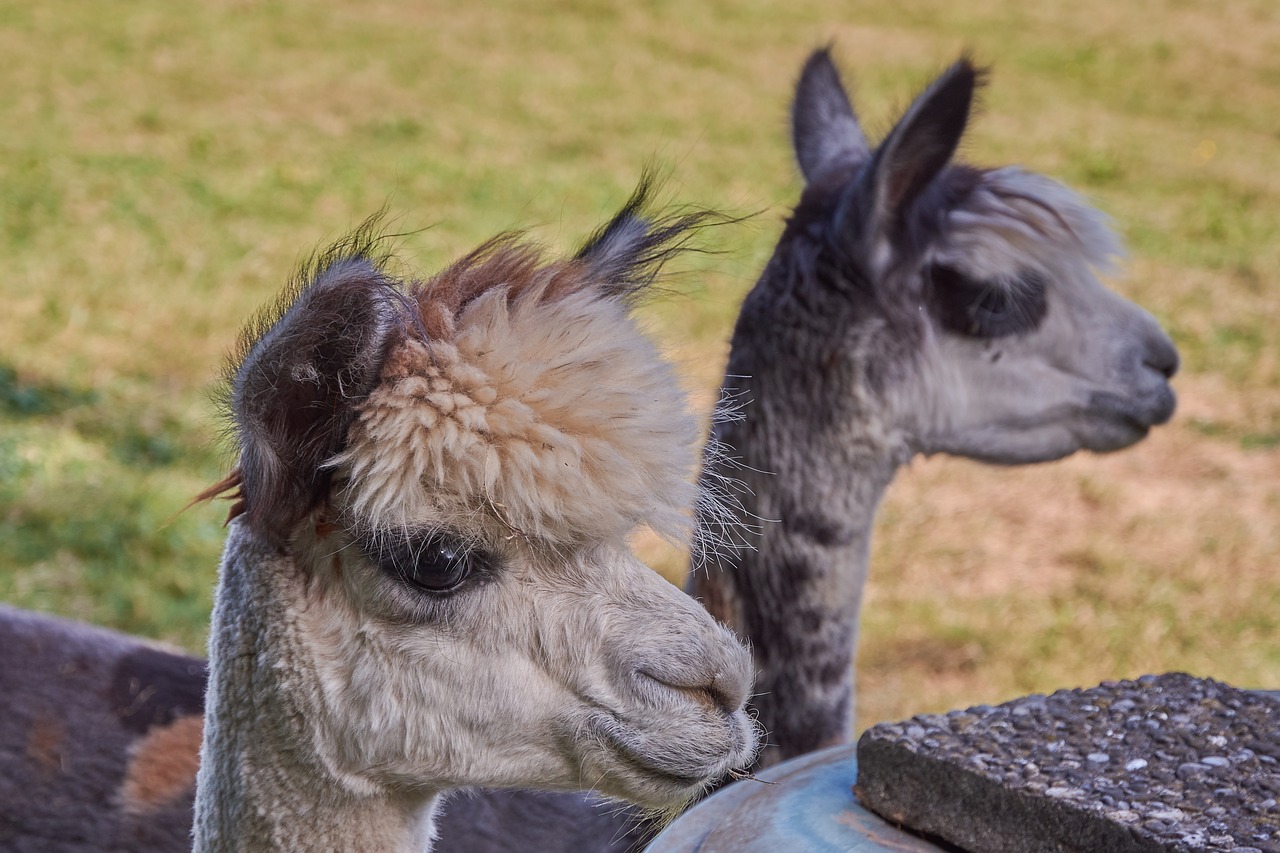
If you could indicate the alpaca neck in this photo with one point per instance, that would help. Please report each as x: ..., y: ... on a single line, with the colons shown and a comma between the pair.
x: 263, y: 783
x: 264, y: 799
x: 798, y: 593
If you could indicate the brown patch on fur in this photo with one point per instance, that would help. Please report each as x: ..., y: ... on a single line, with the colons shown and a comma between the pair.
x: 404, y: 360
x: 501, y: 262
x: 44, y: 745
x: 162, y: 766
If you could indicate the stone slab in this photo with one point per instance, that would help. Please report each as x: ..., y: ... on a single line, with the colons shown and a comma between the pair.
x: 1163, y: 763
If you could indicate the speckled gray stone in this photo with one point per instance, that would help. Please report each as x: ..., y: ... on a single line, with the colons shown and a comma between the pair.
x: 1163, y: 763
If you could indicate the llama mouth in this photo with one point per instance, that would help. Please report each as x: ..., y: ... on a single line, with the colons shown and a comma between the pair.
x: 1135, y: 413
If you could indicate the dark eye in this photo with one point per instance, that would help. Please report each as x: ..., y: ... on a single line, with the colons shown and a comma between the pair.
x: 987, y: 309
x: 434, y: 563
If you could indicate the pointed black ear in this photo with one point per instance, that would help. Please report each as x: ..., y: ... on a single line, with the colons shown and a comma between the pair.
x: 824, y: 129
x: 293, y: 394
x: 626, y: 254
x: 922, y: 142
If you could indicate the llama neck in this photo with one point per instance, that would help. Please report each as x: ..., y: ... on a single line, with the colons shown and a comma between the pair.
x: 263, y: 784
x: 815, y: 456
x: 798, y: 594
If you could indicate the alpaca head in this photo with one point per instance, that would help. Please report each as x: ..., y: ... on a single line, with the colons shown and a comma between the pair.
x: 447, y: 473
x: 977, y: 322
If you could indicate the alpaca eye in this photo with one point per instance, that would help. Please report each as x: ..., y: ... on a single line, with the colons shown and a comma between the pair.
x: 983, y: 309
x: 436, y: 563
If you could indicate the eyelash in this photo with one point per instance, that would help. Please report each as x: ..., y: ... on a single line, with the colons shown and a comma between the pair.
x: 982, y: 309
x: 436, y: 564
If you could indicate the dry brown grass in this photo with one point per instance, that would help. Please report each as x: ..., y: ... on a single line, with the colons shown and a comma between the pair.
x: 1163, y: 557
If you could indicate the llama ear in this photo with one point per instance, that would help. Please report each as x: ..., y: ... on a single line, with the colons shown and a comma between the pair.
x: 824, y: 130
x: 917, y: 149
x: 293, y: 394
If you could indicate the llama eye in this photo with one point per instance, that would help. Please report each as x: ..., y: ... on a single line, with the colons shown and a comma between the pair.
x: 437, y: 563
x: 993, y: 306
x: 983, y: 309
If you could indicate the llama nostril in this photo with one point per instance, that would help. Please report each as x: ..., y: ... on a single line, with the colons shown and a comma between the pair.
x: 1162, y: 357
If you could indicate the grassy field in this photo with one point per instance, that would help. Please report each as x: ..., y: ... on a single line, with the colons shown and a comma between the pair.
x: 163, y: 166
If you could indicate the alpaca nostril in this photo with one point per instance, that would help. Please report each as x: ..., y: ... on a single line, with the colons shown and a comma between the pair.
x: 702, y: 696
x: 712, y: 696
x: 724, y: 694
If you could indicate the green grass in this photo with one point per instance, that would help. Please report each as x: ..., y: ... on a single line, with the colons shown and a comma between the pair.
x: 163, y: 167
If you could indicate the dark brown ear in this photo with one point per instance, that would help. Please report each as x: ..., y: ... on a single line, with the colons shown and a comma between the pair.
x: 915, y: 151
x: 294, y: 393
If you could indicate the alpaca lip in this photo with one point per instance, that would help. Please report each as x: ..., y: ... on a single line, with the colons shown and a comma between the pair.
x: 636, y: 762
x: 619, y: 739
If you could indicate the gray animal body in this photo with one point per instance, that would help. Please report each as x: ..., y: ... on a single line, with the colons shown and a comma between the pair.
x: 98, y: 753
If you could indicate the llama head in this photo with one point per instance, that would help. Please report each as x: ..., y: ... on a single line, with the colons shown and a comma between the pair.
x: 447, y: 472
x: 979, y: 324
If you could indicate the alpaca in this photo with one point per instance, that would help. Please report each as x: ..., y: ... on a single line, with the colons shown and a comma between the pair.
x: 886, y: 381
x: 913, y: 305
x: 426, y: 583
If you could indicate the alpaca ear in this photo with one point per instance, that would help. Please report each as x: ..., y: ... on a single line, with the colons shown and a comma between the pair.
x: 625, y: 256
x: 915, y: 151
x: 294, y: 393
x: 824, y: 130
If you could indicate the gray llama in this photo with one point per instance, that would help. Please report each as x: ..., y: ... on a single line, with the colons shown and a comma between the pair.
x: 912, y: 306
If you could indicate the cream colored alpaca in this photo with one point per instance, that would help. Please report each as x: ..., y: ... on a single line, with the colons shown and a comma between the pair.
x: 427, y: 583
